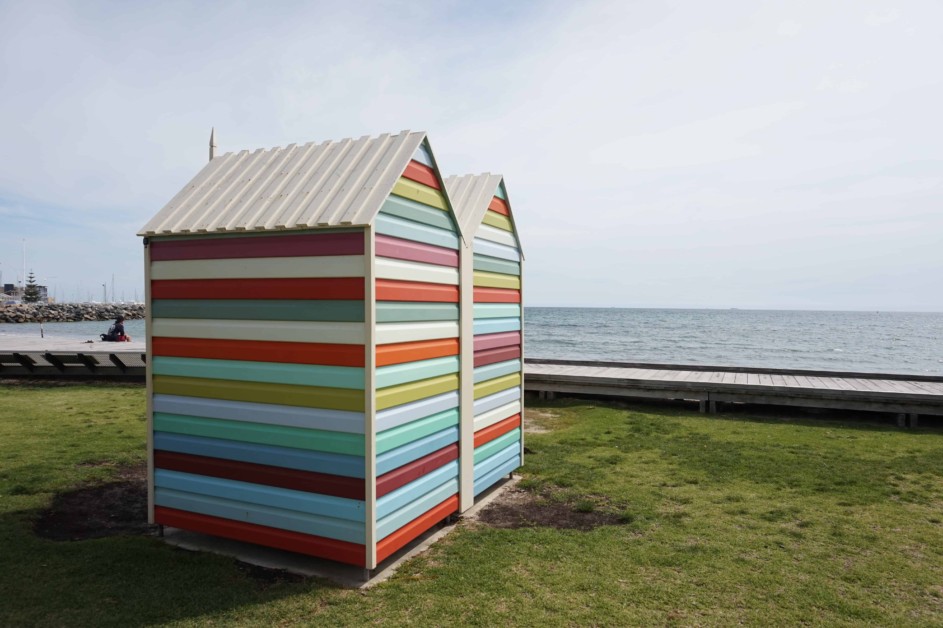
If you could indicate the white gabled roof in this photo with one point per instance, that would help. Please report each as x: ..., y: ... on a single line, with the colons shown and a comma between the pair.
x: 471, y: 195
x: 331, y: 184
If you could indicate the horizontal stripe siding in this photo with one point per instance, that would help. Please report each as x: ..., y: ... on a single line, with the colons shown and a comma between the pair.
x: 415, y: 371
x: 498, y: 221
x: 326, y: 484
x: 277, y: 435
x: 397, y: 248
x: 489, y: 418
x: 492, y: 249
x: 270, y: 372
x: 288, y: 457
x: 318, y: 288
x: 415, y: 271
x: 493, y: 477
x: 272, y: 414
x: 263, y: 310
x: 498, y: 399
x: 398, y: 353
x: 497, y: 310
x: 270, y: 331
x: 401, y: 517
x: 496, y: 280
x: 421, y: 173
x: 417, y: 212
x: 404, y: 393
x: 496, y: 325
x: 412, y: 530
x: 492, y: 341
x: 405, y: 495
x: 254, y: 392
x: 423, y: 156
x: 496, y: 295
x: 260, y: 268
x: 332, y: 549
x: 499, y: 206
x: 500, y: 192
x: 498, y: 429
x: 340, y: 529
x: 498, y: 369
x: 392, y: 290
x: 489, y: 449
x: 408, y: 412
x: 496, y: 460
x: 409, y: 230
x: 272, y: 496
x: 400, y: 312
x: 399, y: 436
x: 499, y: 236
x: 492, y: 356
x: 420, y: 193
x: 284, y: 352
x: 303, y: 245
x: 389, y: 482
x: 496, y: 265
x: 389, y: 333
x: 492, y: 386
x: 415, y: 450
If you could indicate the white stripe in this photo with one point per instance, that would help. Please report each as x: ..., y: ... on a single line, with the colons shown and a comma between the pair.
x: 388, y: 333
x: 260, y: 267
x: 415, y: 271
x: 498, y: 414
x: 279, y: 331
x: 493, y: 234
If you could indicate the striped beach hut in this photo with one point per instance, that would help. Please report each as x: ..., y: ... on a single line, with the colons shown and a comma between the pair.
x: 303, y: 334
x: 492, y: 340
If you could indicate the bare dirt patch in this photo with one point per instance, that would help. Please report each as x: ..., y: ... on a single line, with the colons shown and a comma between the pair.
x: 91, y: 512
x: 534, y: 418
x: 518, y: 508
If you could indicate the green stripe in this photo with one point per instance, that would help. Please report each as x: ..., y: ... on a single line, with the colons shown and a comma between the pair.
x: 393, y: 438
x: 270, y: 372
x: 413, y: 371
x: 497, y: 310
x: 398, y: 395
x: 303, y: 396
x: 260, y: 310
x: 495, y: 265
x: 411, y: 210
x: 399, y: 312
x: 263, y: 434
x: 497, y: 384
x: 492, y: 447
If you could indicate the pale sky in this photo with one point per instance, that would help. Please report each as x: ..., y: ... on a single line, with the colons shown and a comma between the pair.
x: 656, y: 154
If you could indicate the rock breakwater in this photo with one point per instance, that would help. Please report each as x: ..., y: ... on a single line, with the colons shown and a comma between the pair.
x: 68, y: 312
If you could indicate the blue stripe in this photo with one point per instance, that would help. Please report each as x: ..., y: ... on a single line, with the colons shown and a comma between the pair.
x: 423, y: 156
x: 496, y: 400
x: 496, y: 325
x: 487, y: 247
x: 409, y: 412
x: 500, y: 193
x: 490, y: 371
x: 391, y: 502
x: 417, y: 212
x: 395, y: 458
x: 415, y: 371
x: 488, y: 465
x: 490, y: 479
x: 392, y: 523
x: 409, y: 230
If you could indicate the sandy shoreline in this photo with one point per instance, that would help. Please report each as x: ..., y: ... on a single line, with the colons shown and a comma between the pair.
x: 26, y: 344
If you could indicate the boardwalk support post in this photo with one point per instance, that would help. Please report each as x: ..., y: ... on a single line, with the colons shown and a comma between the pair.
x: 702, y: 406
x: 913, y: 420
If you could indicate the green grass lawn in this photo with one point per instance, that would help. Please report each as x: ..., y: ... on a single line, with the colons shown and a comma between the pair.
x: 721, y: 520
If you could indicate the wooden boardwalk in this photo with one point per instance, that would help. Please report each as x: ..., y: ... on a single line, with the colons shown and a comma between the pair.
x: 906, y: 395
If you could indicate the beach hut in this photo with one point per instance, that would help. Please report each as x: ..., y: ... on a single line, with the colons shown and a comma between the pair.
x: 303, y: 334
x: 492, y: 332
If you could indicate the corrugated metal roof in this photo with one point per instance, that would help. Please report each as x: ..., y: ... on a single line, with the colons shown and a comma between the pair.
x: 331, y: 184
x: 470, y: 195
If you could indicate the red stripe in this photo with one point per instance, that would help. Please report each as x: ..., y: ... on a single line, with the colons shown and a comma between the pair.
x: 260, y: 351
x: 500, y: 354
x: 309, y: 244
x: 496, y: 295
x: 341, y: 551
x: 414, y: 528
x: 491, y: 341
x: 349, y: 288
x: 401, y: 352
x: 405, y: 474
x: 307, y: 481
x: 390, y: 290
x: 415, y: 252
x: 498, y: 205
x: 421, y: 173
x: 500, y: 428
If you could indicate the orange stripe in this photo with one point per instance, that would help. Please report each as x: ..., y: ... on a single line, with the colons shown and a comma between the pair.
x: 421, y: 173
x: 390, y: 290
x: 498, y: 429
x: 498, y: 205
x: 414, y: 528
x: 260, y: 351
x: 414, y: 351
x: 497, y: 295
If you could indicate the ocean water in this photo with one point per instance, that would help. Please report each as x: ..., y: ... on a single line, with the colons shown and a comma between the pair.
x: 882, y: 342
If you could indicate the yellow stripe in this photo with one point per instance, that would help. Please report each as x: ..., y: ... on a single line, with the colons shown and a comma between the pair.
x: 419, y: 193
x: 495, y: 219
x: 496, y: 280
x: 255, y: 392
x: 398, y: 395
x: 497, y: 384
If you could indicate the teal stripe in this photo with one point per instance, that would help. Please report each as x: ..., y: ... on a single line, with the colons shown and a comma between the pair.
x: 414, y: 371
x: 349, y: 377
x: 495, y: 265
x: 496, y: 325
x: 492, y: 447
x: 409, y: 230
x: 500, y: 193
x: 499, y: 369
x: 497, y: 310
x: 398, y: 436
x: 417, y: 212
x: 259, y: 310
x: 401, y: 312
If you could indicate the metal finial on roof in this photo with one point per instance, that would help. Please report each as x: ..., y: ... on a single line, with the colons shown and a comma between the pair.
x: 212, y: 143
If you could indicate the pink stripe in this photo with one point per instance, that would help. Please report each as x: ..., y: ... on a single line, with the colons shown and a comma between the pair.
x: 492, y: 341
x: 415, y: 252
x: 304, y: 245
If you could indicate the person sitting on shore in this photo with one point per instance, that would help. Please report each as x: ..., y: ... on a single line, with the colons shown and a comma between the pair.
x: 116, y: 332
